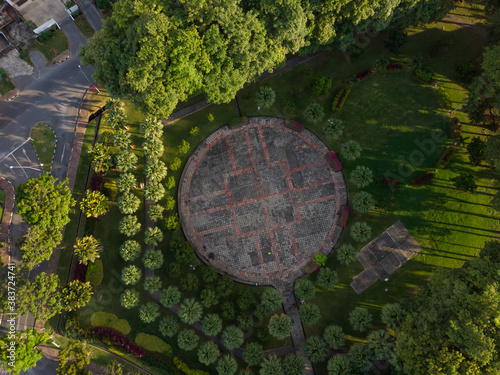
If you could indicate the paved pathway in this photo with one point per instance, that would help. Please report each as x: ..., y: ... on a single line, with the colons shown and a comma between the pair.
x: 291, y: 310
x: 203, y: 103
x: 466, y: 24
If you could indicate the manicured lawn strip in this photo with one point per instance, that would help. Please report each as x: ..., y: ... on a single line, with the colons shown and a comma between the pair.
x: 5, y: 83
x: 78, y: 192
x: 84, y: 26
x: 44, y: 141
x: 102, y: 358
x: 98, y: 100
x: 3, y: 195
x: 56, y: 44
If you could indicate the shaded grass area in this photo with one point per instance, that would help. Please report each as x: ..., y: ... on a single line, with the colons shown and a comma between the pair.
x: 3, y: 195
x: 390, y: 114
x: 5, y: 83
x: 386, y: 114
x: 44, y: 141
x: 84, y: 26
x: 53, y: 46
x: 70, y: 232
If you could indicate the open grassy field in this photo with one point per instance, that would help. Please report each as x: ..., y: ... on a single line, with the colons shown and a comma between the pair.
x: 44, y: 141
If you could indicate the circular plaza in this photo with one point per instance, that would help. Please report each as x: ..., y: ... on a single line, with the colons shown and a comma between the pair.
x: 259, y: 200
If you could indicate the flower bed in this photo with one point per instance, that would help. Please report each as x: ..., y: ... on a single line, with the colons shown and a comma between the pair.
x: 341, y: 97
x: 364, y: 74
x: 422, y: 179
x: 79, y: 272
x: 389, y: 181
x: 335, y: 161
x: 343, y: 216
x: 446, y: 158
x: 294, y: 125
x: 395, y: 67
x: 455, y: 127
x: 120, y: 339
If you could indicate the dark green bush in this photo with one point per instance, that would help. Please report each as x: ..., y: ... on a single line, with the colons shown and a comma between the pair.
x: 320, y: 86
x: 95, y: 273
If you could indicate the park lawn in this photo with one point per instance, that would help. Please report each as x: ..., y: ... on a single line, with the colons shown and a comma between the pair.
x: 472, y: 12
x: 50, y: 48
x: 84, y: 26
x: 3, y: 195
x: 6, y: 84
x: 44, y: 141
x: 386, y: 113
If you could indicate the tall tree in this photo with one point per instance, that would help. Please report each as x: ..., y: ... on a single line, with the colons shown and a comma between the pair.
x: 73, y: 359
x: 451, y: 326
x: 44, y: 201
x: 26, y: 352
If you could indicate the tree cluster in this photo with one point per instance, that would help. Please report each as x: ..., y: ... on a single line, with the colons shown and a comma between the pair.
x: 159, y: 53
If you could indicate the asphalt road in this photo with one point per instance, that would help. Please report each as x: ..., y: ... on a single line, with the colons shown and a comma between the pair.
x: 53, y: 98
x: 52, y: 95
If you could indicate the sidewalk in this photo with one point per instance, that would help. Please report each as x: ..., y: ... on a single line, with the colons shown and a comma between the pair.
x: 6, y: 218
x: 76, y: 151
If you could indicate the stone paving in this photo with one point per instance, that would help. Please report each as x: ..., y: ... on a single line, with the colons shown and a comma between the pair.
x: 384, y: 255
x: 258, y: 201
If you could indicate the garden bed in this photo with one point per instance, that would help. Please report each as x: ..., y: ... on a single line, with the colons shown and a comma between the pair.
x: 44, y: 141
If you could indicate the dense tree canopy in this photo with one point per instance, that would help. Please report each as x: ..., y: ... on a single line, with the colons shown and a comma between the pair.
x: 160, y: 52
x: 452, y: 326
x: 44, y: 201
x: 26, y: 352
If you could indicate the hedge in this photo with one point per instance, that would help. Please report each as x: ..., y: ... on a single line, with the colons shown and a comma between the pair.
x: 153, y: 343
x: 341, y: 97
x: 120, y: 339
x: 104, y: 319
x: 446, y: 158
x: 422, y: 179
x: 186, y: 369
x: 95, y: 273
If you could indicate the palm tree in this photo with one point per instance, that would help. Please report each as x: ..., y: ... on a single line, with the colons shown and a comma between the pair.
x: 190, y: 311
x: 128, y: 203
x: 94, y: 204
x: 126, y: 161
x: 155, y: 170
x: 265, y: 97
x: 126, y: 182
x: 87, y: 249
x: 122, y: 139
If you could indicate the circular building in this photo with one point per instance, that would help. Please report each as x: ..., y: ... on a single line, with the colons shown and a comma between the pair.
x: 259, y: 200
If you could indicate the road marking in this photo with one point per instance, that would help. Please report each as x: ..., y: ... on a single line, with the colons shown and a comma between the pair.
x: 62, y: 156
x: 20, y: 166
x: 25, y: 154
x: 17, y: 148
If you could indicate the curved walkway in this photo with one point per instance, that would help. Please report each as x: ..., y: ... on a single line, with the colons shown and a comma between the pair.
x: 466, y: 24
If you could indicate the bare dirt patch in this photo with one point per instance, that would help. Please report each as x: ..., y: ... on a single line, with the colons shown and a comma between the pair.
x: 14, y: 65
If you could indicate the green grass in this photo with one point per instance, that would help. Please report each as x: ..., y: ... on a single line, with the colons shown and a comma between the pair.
x: 44, y: 141
x: 3, y: 195
x: 153, y: 343
x: 56, y: 44
x: 386, y: 114
x: 103, y: 319
x: 84, y: 26
x: 70, y: 231
x: 6, y: 84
